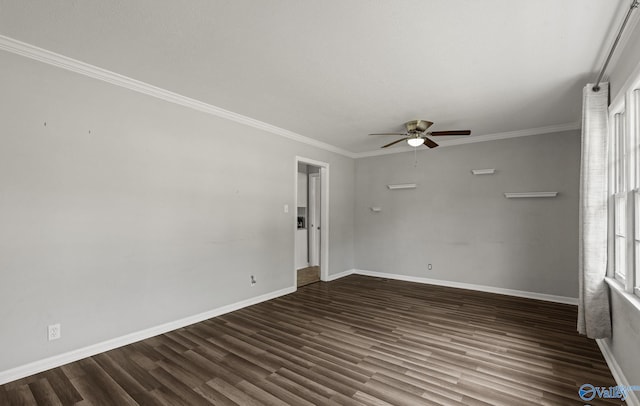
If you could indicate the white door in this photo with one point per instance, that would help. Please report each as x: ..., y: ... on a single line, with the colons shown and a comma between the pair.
x: 314, y: 219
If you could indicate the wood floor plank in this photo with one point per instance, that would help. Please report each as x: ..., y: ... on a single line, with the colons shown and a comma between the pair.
x: 98, y: 387
x: 177, y: 390
x: 355, y: 341
x: 302, y: 391
x: 259, y: 393
x: 62, y: 385
x: 308, y: 275
x: 4, y: 399
x: 213, y: 396
x: 20, y: 395
x: 43, y: 393
x: 124, y: 360
x: 232, y: 392
x: 132, y: 386
x: 282, y: 393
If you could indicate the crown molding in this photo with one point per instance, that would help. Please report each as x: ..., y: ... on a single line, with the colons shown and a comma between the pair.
x: 51, y: 58
x: 480, y: 138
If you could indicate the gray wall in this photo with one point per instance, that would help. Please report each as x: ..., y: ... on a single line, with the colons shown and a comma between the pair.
x: 160, y: 213
x: 463, y: 224
x: 625, y: 340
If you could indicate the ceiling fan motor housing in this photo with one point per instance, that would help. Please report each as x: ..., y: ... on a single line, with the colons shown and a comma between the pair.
x: 417, y: 126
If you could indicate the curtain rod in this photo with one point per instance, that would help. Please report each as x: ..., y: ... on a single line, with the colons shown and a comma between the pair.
x: 634, y: 5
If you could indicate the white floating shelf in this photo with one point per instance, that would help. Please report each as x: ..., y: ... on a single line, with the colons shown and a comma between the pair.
x: 402, y: 186
x: 376, y: 209
x: 483, y: 171
x: 520, y: 195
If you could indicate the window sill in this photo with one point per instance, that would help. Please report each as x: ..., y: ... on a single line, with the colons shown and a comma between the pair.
x: 629, y: 297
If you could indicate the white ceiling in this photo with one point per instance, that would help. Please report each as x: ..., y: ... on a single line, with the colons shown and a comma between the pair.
x: 336, y: 70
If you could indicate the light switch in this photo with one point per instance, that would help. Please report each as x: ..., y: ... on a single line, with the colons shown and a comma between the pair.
x: 286, y: 208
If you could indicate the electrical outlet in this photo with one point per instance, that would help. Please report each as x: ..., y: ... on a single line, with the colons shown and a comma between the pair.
x: 53, y: 332
x: 253, y: 280
x: 430, y: 267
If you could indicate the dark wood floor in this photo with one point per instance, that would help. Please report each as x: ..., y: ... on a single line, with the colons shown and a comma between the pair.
x: 355, y: 341
x: 308, y: 275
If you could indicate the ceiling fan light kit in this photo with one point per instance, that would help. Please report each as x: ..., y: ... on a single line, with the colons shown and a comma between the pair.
x: 416, y: 134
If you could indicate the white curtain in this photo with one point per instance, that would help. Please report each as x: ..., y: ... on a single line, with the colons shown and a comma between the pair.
x: 593, y: 303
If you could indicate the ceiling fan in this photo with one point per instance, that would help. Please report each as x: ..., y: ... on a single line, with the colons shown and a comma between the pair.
x: 416, y: 134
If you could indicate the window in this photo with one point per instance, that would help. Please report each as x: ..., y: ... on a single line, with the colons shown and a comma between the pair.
x: 624, y: 187
x: 636, y: 239
x: 634, y: 149
x: 624, y: 183
x: 634, y: 156
x: 619, y: 155
x: 618, y: 186
x: 619, y: 233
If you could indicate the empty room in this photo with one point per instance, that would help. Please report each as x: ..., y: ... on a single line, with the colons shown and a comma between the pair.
x: 358, y: 202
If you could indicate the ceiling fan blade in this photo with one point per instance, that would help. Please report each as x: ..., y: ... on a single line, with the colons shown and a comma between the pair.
x: 454, y: 132
x: 429, y: 143
x: 394, y: 142
x: 389, y: 134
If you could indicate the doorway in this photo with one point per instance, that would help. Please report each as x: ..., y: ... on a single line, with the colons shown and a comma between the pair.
x: 311, y: 232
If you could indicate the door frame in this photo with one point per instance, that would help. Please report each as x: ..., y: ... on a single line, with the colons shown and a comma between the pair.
x: 312, y: 213
x: 324, y: 215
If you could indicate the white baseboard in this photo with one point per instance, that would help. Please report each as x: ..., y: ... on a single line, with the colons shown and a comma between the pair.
x: 616, y: 371
x: 470, y: 286
x: 80, y: 353
x: 339, y: 275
